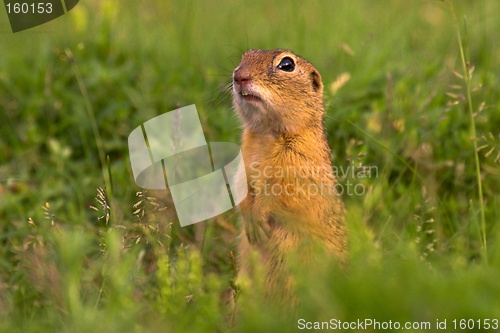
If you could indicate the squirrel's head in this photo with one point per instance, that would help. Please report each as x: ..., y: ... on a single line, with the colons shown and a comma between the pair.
x: 277, y: 92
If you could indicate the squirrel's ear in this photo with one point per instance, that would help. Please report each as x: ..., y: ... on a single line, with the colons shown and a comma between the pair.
x: 317, y: 84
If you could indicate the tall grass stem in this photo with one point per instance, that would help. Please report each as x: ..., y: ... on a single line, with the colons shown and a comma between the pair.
x: 467, y: 77
x: 95, y: 129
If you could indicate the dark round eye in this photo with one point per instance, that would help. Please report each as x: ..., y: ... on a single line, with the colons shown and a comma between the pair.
x: 286, y: 64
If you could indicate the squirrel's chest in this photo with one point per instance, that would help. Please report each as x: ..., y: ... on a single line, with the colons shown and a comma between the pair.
x: 272, y: 173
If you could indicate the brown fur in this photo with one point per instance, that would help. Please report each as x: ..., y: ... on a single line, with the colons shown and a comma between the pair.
x: 286, y: 157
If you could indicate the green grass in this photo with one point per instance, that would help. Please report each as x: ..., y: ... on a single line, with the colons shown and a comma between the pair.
x: 424, y: 239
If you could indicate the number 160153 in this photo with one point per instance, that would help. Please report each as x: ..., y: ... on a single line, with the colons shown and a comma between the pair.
x: 29, y: 8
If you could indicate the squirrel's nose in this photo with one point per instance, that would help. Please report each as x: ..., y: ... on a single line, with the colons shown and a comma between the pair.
x: 241, y: 77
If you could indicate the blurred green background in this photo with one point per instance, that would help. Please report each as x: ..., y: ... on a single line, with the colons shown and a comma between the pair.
x: 76, y: 258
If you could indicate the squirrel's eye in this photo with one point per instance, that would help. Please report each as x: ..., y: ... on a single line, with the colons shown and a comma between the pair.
x: 286, y: 64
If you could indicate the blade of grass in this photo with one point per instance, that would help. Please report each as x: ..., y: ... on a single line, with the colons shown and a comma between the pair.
x: 467, y: 77
x: 95, y: 129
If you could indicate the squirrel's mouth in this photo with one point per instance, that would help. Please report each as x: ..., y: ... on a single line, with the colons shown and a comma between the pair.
x: 248, y: 97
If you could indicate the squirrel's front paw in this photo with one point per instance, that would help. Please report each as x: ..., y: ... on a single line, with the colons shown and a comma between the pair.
x: 257, y: 230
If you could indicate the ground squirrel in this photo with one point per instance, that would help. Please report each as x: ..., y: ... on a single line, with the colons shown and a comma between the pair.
x: 291, y: 186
